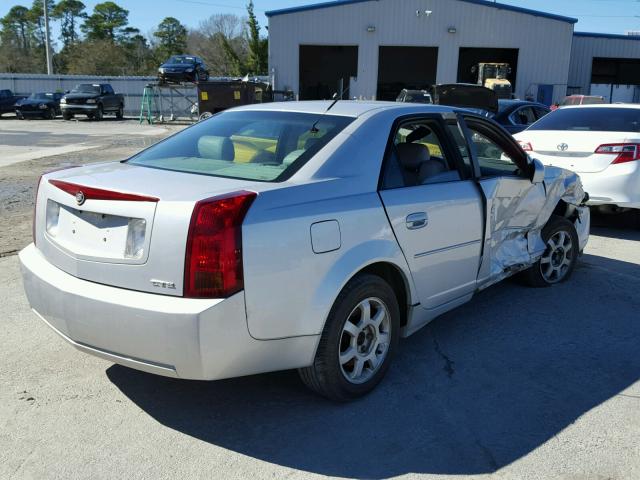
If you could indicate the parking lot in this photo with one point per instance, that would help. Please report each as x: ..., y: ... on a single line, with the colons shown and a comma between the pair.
x: 518, y: 383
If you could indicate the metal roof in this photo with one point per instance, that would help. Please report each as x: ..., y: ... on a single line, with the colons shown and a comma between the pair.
x: 612, y: 36
x: 484, y: 3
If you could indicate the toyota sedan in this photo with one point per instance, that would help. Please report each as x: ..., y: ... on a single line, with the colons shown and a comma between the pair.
x: 302, y: 235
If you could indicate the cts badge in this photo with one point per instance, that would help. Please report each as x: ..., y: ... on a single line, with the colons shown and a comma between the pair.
x: 80, y: 198
x: 162, y: 284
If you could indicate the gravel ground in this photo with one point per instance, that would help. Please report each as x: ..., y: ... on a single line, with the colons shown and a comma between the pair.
x: 519, y: 383
x: 86, y: 142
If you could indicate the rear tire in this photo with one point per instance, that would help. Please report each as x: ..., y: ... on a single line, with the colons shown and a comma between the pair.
x: 120, y: 113
x: 560, y: 257
x: 358, y: 342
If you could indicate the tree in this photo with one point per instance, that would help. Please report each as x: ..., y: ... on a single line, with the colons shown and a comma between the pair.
x: 172, y: 38
x: 221, y: 42
x: 257, y: 58
x: 36, y: 14
x: 69, y: 12
x: 97, y: 57
x: 106, y: 22
x: 17, y: 26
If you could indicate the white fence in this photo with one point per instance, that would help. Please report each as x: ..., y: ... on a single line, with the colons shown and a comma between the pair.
x: 131, y: 87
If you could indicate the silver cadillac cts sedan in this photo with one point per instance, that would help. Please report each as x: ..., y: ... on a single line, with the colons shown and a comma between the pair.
x: 294, y: 235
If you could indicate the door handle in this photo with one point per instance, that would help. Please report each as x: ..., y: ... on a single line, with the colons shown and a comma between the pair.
x: 417, y: 220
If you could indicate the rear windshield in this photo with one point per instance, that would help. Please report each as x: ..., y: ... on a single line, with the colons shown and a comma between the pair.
x: 249, y: 145
x: 591, y: 120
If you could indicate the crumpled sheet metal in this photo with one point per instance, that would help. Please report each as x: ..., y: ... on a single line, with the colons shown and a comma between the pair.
x: 515, y: 241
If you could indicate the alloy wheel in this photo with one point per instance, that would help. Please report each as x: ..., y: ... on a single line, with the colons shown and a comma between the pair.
x: 556, y: 260
x: 365, y: 339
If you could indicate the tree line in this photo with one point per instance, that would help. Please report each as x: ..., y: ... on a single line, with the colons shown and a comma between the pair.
x: 103, y: 43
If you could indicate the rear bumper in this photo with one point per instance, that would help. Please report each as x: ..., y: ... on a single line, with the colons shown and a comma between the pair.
x: 197, y: 339
x: 616, y: 185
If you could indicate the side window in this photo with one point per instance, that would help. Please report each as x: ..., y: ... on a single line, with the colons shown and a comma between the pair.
x: 523, y: 116
x: 108, y: 90
x: 493, y: 160
x: 418, y: 157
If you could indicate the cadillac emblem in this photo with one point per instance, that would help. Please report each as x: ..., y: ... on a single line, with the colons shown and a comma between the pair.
x: 80, y: 198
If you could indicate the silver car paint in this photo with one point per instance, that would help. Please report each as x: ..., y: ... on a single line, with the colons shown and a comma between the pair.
x: 289, y: 288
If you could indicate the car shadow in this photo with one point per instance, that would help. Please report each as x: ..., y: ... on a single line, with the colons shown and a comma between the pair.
x: 477, y: 389
x: 613, y: 225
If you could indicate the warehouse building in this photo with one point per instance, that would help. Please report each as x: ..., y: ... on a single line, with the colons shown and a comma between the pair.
x: 606, y: 65
x: 378, y: 47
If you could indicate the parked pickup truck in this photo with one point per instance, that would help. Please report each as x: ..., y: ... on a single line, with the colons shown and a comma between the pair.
x: 92, y: 100
x: 8, y: 101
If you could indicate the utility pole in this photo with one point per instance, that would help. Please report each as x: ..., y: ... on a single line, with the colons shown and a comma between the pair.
x: 47, y: 41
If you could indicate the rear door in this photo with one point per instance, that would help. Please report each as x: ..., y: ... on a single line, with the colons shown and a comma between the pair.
x: 435, y: 210
x: 512, y: 201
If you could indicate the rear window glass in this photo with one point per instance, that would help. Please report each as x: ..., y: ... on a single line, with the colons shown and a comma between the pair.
x: 250, y: 145
x: 591, y: 120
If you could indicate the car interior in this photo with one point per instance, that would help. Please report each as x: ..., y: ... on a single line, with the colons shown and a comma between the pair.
x: 417, y: 158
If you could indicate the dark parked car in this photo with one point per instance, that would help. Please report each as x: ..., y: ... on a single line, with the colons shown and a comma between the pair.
x: 39, y: 105
x: 517, y: 115
x: 92, y: 100
x: 8, y: 101
x: 183, y: 68
x: 414, y: 96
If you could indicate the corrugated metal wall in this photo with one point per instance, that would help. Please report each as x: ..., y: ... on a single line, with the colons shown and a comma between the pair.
x: 544, y: 44
x: 131, y: 87
x: 584, y: 50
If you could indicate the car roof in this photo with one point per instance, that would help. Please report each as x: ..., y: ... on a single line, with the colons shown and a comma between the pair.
x: 605, y: 105
x: 507, y: 101
x: 347, y: 108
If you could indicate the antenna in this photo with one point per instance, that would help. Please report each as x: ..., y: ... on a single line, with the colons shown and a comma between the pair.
x: 335, y: 97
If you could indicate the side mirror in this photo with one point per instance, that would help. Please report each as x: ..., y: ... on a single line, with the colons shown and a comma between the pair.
x: 537, y: 167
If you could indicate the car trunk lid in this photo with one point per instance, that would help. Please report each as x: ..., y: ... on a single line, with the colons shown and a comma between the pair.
x: 573, y: 150
x: 122, y: 225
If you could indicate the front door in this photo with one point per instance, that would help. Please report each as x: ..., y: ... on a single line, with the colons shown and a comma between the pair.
x: 513, y: 202
x: 435, y: 210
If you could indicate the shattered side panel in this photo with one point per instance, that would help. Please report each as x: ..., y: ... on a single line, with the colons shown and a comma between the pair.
x: 517, y: 210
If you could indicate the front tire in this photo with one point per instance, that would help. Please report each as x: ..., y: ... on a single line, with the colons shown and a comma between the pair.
x: 99, y: 114
x: 66, y: 116
x: 560, y: 257
x: 51, y: 114
x: 358, y: 341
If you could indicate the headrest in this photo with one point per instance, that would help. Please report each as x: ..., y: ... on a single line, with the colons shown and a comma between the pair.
x: 217, y: 148
x: 412, y: 155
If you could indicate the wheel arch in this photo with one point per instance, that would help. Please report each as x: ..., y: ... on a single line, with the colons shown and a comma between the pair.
x: 396, y: 279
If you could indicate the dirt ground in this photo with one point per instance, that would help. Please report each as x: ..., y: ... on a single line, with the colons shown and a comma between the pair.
x: 96, y: 142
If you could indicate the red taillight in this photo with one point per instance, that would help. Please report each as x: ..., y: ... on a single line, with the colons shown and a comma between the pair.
x: 526, y: 146
x: 91, y: 193
x: 213, y: 259
x: 625, y: 152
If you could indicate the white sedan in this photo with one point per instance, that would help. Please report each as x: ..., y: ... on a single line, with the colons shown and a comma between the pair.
x: 599, y: 142
x: 302, y: 235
